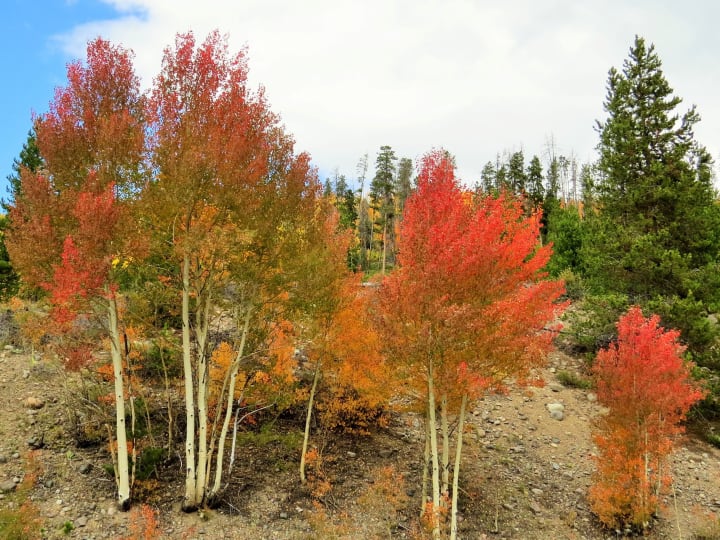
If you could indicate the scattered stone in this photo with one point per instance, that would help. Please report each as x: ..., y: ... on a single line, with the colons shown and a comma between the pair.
x: 6, y: 486
x: 34, y: 403
x: 508, y: 506
x: 535, y: 508
x: 537, y: 491
x: 283, y: 515
x: 36, y: 442
x: 555, y: 407
x: 25, y: 373
x: 556, y: 410
x: 16, y: 455
x: 3, y: 458
x: 352, y: 454
x: 591, y: 397
x: 481, y: 433
x: 85, y: 468
x: 386, y: 452
x: 556, y: 387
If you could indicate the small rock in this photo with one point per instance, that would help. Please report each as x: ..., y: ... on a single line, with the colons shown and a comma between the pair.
x: 16, y: 455
x: 283, y: 515
x: 386, y: 452
x: 535, y: 508
x: 536, y: 491
x: 481, y: 433
x: 555, y: 407
x: 591, y: 397
x: 352, y: 454
x: 34, y: 403
x: 3, y: 458
x: 25, y: 373
x: 556, y: 387
x: 508, y: 506
x: 6, y: 486
x: 36, y: 442
x: 85, y: 468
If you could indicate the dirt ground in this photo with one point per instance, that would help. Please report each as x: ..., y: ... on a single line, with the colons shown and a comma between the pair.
x: 525, y: 474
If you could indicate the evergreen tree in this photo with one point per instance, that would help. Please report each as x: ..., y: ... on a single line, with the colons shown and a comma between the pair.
x: 534, y: 176
x: 501, y: 177
x: 553, y: 179
x: 345, y: 202
x: 655, y: 238
x: 382, y: 195
x: 488, y: 177
x: 516, y: 172
x: 404, y: 185
x: 29, y: 159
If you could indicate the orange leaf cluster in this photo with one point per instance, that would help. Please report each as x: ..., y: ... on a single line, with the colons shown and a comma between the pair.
x: 648, y: 389
x: 471, y: 297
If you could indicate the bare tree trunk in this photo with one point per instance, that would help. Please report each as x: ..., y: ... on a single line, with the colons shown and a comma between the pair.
x: 190, y: 499
x: 456, y: 469
x: 384, y: 251
x: 426, y: 465
x: 202, y: 314
x: 445, y: 487
x: 123, y: 473
x: 228, y: 408
x: 435, y: 517
x: 306, y: 436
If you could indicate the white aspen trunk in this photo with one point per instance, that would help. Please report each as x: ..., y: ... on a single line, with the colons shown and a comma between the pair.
x: 445, y: 487
x: 228, y: 409
x: 434, y: 456
x: 426, y: 465
x: 456, y: 469
x: 306, y: 435
x: 123, y: 473
x: 190, y: 499
x: 202, y: 313
x: 384, y: 251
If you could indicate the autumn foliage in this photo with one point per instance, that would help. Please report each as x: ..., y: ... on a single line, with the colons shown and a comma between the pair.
x: 647, y: 387
x: 468, y: 308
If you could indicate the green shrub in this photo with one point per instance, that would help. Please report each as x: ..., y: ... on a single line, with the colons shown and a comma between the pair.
x: 573, y: 380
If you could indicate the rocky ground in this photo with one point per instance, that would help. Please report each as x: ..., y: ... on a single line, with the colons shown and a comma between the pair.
x: 527, y: 466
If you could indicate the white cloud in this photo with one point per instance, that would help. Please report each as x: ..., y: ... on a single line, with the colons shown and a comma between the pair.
x: 476, y: 77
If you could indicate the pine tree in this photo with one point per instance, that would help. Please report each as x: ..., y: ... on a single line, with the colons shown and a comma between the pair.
x: 516, y: 172
x: 656, y: 236
x: 382, y: 194
x: 29, y: 159
x: 488, y: 177
x: 404, y: 185
x: 534, y: 177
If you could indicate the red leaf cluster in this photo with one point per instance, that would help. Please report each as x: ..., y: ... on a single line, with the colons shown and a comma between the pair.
x: 471, y: 292
x: 648, y: 389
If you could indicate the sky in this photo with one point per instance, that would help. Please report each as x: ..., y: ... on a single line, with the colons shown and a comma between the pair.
x: 475, y: 77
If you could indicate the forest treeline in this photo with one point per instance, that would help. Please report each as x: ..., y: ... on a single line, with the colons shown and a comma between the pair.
x: 176, y: 236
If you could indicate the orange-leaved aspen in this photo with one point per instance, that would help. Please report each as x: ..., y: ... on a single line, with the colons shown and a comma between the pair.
x: 647, y: 386
x: 469, y: 307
